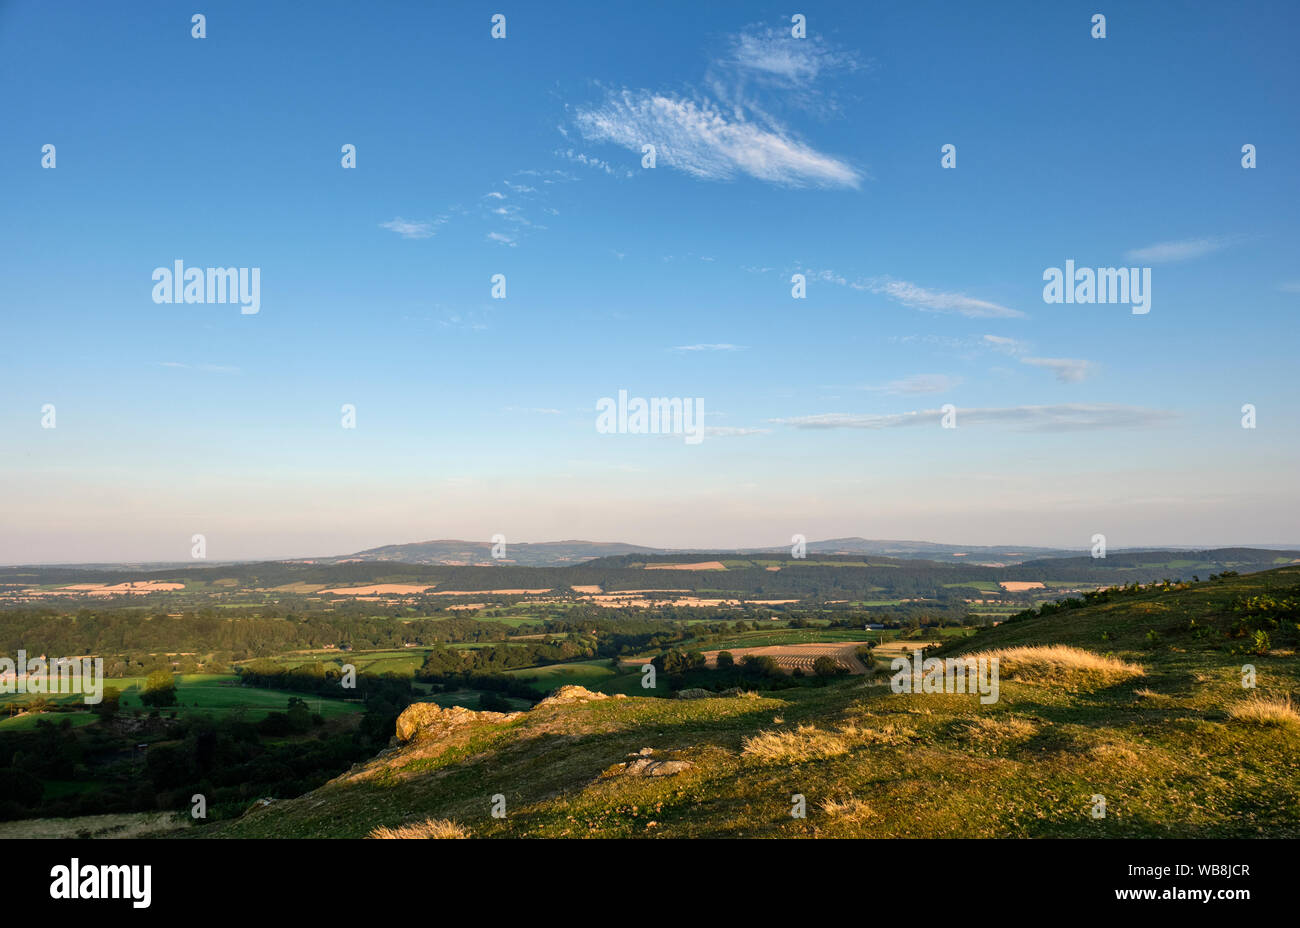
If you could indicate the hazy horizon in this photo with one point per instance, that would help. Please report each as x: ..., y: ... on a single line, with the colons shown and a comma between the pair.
x: 436, y: 327
x: 686, y: 548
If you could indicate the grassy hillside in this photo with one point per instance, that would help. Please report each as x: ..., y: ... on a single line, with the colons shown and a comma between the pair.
x: 1158, y: 724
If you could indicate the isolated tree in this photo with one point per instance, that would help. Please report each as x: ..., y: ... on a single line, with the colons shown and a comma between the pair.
x: 825, y: 666
x: 159, y: 689
x: 725, y: 660
x: 299, y: 715
x: 107, y: 707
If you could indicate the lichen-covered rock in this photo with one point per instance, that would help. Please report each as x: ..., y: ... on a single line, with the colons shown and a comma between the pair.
x: 643, y: 764
x: 570, y: 694
x: 430, y: 720
x: 694, y: 693
x: 646, y: 767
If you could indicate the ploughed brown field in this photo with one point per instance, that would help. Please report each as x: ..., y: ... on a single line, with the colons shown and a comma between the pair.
x: 790, y: 656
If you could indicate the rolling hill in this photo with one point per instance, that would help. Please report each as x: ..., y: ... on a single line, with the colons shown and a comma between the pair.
x: 1132, y: 704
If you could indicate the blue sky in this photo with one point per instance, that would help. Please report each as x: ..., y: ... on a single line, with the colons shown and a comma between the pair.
x: 522, y: 156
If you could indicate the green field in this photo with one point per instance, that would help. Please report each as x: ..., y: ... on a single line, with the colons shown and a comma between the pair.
x: 1151, y: 715
x: 582, y: 673
x: 470, y: 699
x: 218, y: 693
x: 27, y: 721
x: 195, y: 693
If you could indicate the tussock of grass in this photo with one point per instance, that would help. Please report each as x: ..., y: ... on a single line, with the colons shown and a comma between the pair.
x: 848, y: 809
x: 999, y: 729
x: 1112, y: 753
x: 805, y: 743
x: 1061, y: 665
x: 810, y: 743
x: 1263, y: 710
x: 429, y: 828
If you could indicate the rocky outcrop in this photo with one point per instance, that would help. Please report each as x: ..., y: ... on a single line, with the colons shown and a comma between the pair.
x: 430, y: 720
x: 694, y: 693
x: 567, y: 695
x: 425, y: 720
x: 643, y: 764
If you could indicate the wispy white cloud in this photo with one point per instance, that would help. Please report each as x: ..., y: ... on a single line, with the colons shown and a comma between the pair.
x: 776, y: 55
x: 696, y: 137
x: 707, y: 347
x: 1167, y: 252
x: 1005, y: 344
x: 920, y: 383
x: 732, y: 431
x: 917, y: 297
x: 590, y: 161
x: 1067, y: 370
x: 725, y: 128
x: 766, y: 69
x: 413, y: 228
x: 1059, y: 418
x: 507, y: 213
x: 936, y: 301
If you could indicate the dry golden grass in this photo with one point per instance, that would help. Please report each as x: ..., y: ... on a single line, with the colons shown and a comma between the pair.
x: 1265, y: 710
x: 1110, y: 752
x: 810, y: 743
x: 805, y: 743
x: 999, y: 729
x: 1060, y: 665
x: 117, y: 825
x: 848, y: 809
x: 429, y: 828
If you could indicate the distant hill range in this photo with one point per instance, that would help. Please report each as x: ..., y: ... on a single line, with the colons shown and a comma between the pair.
x: 459, y: 553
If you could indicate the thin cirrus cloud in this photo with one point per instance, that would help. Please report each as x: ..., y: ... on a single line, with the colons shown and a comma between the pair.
x: 412, y: 228
x: 695, y: 137
x: 1005, y: 344
x: 1168, y: 252
x: 722, y: 346
x: 935, y: 301
x: 1066, y: 417
x: 732, y: 431
x: 920, y: 383
x: 917, y: 297
x: 1067, y: 370
x: 729, y: 130
x: 774, y: 56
